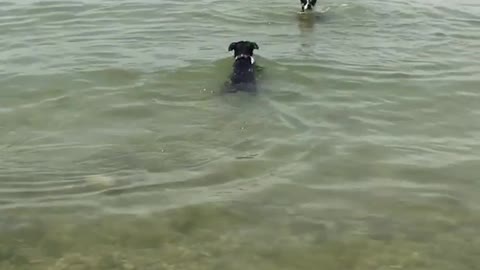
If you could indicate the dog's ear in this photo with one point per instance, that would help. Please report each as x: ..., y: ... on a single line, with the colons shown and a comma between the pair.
x: 255, y: 46
x: 232, y: 46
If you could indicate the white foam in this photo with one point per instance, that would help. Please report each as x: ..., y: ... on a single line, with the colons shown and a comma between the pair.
x: 325, y: 10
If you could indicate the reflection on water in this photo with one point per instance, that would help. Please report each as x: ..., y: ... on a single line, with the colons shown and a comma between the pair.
x: 306, y: 22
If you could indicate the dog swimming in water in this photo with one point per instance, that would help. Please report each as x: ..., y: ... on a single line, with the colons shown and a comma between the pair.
x: 307, y: 5
x: 243, y: 76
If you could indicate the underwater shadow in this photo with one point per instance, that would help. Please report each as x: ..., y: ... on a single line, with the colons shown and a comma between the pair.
x: 306, y: 21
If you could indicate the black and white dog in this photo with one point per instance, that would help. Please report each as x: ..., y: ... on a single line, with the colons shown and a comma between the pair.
x: 244, y: 67
x: 307, y: 5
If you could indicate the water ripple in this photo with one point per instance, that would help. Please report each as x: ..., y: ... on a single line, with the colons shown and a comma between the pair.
x: 114, y: 104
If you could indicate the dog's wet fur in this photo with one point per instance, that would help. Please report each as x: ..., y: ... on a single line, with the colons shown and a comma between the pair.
x: 243, y: 77
x: 307, y: 5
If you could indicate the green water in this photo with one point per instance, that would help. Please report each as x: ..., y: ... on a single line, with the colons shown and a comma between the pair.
x: 361, y: 150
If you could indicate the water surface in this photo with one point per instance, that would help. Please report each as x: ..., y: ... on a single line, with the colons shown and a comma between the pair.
x: 361, y: 150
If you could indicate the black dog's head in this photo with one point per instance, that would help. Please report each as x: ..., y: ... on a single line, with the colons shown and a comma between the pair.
x: 243, y: 48
x: 307, y: 4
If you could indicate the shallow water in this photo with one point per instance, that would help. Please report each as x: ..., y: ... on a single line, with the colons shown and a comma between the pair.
x: 360, y: 151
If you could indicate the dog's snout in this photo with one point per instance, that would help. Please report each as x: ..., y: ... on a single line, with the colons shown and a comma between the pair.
x: 307, y: 6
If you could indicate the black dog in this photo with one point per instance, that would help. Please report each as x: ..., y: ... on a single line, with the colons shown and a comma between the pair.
x: 244, y: 67
x: 307, y: 5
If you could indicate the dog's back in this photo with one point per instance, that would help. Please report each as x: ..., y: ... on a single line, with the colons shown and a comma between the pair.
x: 243, y: 71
